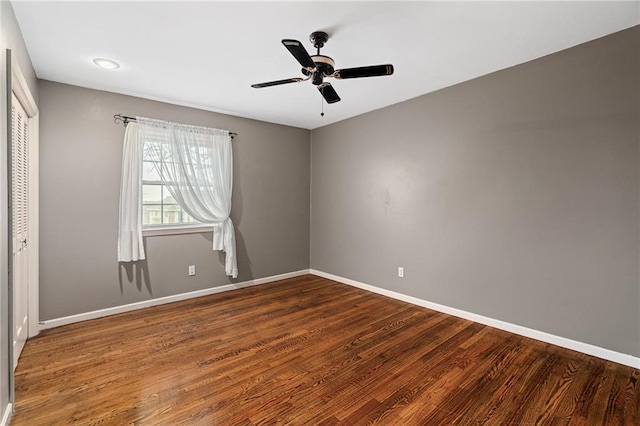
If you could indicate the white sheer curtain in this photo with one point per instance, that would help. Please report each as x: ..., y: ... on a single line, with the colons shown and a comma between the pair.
x: 196, y: 166
x: 130, y: 247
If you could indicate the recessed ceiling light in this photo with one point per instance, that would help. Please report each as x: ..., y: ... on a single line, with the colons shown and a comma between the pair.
x: 106, y: 63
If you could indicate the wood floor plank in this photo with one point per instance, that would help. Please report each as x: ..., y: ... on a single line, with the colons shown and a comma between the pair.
x: 309, y: 351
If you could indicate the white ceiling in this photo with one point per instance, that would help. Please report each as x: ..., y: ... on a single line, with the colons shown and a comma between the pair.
x: 207, y: 54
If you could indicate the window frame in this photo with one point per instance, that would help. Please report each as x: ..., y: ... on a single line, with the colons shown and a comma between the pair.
x: 157, y: 230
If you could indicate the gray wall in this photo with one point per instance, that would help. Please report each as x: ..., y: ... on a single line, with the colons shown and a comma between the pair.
x: 80, y: 163
x: 513, y: 196
x: 10, y: 38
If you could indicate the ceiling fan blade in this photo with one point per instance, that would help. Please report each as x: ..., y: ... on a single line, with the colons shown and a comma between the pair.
x: 328, y: 93
x: 299, y: 52
x: 277, y: 82
x: 370, y: 71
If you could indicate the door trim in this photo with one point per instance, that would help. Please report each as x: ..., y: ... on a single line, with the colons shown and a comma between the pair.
x: 21, y: 89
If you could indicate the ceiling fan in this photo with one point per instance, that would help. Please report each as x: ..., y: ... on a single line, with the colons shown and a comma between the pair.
x: 317, y: 67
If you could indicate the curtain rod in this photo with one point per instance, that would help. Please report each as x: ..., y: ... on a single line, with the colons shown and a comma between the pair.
x: 125, y: 119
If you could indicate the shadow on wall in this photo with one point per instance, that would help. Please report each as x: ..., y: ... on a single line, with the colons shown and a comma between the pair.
x: 138, y: 272
x: 244, y: 265
x: 141, y: 271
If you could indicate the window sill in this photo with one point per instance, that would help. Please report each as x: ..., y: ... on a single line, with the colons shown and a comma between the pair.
x: 154, y: 231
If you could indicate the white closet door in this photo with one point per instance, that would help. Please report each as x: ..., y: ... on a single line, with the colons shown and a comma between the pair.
x: 20, y: 225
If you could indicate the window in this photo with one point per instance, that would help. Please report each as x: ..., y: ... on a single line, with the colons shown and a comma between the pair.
x: 195, y: 163
x: 159, y: 208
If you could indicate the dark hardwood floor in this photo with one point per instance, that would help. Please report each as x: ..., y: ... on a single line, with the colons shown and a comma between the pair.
x: 310, y: 351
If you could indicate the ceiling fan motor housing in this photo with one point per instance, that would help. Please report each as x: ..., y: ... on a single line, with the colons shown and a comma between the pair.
x: 324, y: 67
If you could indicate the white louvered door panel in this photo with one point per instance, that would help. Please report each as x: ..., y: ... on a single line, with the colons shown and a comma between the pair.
x: 20, y: 224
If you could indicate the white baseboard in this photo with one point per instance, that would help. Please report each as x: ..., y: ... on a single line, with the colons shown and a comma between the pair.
x: 57, y: 322
x: 586, y: 348
x: 6, y: 417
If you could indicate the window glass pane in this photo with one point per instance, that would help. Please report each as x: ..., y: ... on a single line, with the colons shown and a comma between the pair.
x: 149, y: 147
x: 149, y: 172
x: 167, y: 155
x: 204, y: 155
x: 186, y: 218
x: 166, y: 197
x: 197, y: 169
x: 159, y: 206
x: 151, y: 194
x: 171, y: 214
x: 151, y: 215
x: 194, y: 153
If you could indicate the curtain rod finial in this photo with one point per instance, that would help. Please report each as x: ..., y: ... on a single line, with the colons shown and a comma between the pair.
x: 124, y: 119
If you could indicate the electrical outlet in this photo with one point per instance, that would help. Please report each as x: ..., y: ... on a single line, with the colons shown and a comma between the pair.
x: 192, y: 270
x: 400, y: 272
